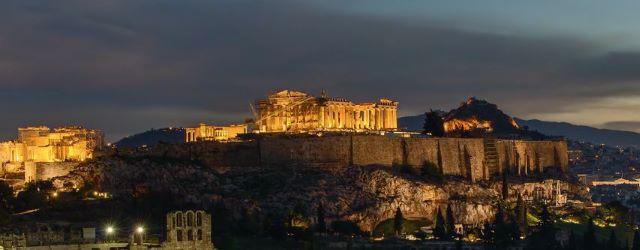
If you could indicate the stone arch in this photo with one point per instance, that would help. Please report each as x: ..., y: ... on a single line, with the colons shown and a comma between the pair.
x: 190, y: 218
x: 199, y: 218
x: 179, y: 219
x: 179, y: 235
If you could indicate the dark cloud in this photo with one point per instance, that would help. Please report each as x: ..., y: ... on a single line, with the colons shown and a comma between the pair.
x: 623, y: 125
x: 126, y: 66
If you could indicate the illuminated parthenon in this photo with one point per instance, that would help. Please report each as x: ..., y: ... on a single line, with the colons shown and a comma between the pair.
x: 292, y: 111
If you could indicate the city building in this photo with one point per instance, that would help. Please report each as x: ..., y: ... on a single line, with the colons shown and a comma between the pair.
x: 292, y: 111
x: 188, y: 230
x: 616, y: 182
x: 204, y: 132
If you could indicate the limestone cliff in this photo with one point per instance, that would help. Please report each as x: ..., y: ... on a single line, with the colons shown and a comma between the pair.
x: 364, y: 195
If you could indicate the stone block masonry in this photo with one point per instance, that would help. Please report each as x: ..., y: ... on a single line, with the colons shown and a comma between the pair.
x: 472, y: 158
x: 40, y: 171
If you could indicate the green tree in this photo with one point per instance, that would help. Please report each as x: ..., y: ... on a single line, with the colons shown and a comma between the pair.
x: 397, y: 222
x: 433, y: 124
x: 636, y: 240
x: 6, y: 202
x: 439, y: 231
x: 450, y: 225
x: 321, y: 226
x: 6, y: 196
x: 521, y: 215
x: 34, y: 195
x: 503, y: 230
x: 545, y: 237
x: 505, y: 187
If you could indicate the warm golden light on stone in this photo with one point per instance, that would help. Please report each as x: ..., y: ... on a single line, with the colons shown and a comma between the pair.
x: 292, y: 111
x: 43, y: 145
x: 214, y: 133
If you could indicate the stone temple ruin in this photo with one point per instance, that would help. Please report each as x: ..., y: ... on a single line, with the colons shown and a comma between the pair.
x: 41, y: 153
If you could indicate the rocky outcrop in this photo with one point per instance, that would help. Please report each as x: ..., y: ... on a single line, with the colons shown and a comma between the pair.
x: 364, y: 195
x: 481, y: 115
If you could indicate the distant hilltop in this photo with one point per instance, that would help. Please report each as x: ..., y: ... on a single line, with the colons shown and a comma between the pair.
x: 473, y: 118
x: 479, y: 115
x: 152, y: 137
x: 475, y: 114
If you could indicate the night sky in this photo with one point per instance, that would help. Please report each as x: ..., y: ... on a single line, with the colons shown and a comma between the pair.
x: 128, y: 66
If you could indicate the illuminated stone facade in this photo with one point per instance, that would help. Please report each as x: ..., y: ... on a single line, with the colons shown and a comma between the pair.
x: 188, y: 230
x: 42, y: 144
x: 292, y: 111
x: 214, y: 133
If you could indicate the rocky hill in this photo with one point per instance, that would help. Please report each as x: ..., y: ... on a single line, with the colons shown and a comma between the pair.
x: 362, y: 195
x: 474, y: 118
x: 564, y: 129
x: 475, y: 114
x: 152, y: 137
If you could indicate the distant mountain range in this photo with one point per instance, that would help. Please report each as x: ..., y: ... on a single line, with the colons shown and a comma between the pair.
x: 152, y: 137
x: 583, y: 133
x: 567, y: 130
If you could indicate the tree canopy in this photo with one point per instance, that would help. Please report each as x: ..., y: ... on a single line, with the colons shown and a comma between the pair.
x: 433, y: 124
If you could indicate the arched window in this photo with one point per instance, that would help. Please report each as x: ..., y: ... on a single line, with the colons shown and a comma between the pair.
x: 179, y: 219
x: 190, y: 235
x: 179, y: 235
x: 189, y: 219
x: 199, y: 234
x: 199, y: 219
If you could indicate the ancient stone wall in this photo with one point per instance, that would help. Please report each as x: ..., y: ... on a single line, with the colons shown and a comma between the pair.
x: 465, y: 157
x: 525, y: 157
x: 38, y: 171
x: 305, y: 150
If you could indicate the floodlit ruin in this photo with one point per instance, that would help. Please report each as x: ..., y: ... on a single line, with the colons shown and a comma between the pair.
x: 42, y: 145
x: 204, y: 132
x: 292, y: 111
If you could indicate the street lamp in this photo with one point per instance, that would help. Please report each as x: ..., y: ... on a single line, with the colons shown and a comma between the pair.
x: 140, y: 232
x: 109, y: 232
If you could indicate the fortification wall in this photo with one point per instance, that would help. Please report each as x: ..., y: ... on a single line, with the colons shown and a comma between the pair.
x: 454, y: 156
x: 301, y: 150
x: 525, y: 157
x: 465, y: 157
x: 38, y: 171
